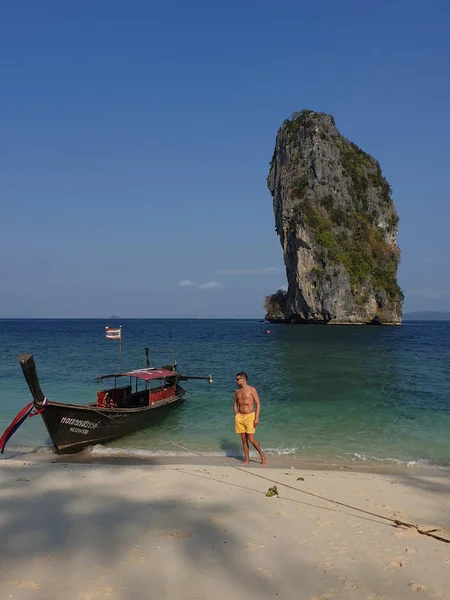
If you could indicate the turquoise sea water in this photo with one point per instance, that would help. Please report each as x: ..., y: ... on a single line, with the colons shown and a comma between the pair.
x: 332, y: 393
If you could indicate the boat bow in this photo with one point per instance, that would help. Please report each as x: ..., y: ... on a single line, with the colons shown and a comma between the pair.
x: 30, y: 373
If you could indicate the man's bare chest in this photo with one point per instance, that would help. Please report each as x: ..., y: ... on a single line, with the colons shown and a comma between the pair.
x: 245, y: 398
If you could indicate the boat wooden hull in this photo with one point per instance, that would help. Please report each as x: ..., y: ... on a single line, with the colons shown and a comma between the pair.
x: 73, y: 427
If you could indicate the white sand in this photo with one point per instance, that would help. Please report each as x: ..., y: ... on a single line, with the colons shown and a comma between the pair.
x: 207, y: 532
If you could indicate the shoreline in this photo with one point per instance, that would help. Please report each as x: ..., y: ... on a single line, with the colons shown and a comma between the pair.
x: 138, y: 457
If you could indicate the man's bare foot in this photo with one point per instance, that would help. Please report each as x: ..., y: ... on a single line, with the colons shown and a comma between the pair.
x: 263, y: 462
x: 245, y: 463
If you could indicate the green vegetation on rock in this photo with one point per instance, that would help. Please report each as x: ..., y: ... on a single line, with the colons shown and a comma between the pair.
x: 351, y: 237
x: 362, y: 170
x: 301, y: 118
x: 273, y: 304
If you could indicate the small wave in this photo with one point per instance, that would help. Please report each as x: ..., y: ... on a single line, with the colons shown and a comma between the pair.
x: 107, y: 451
x: 29, y: 449
x: 420, y: 462
x: 281, y: 451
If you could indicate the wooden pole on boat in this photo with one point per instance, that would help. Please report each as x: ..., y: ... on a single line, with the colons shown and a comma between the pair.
x: 115, y: 334
x: 30, y: 373
x: 120, y: 350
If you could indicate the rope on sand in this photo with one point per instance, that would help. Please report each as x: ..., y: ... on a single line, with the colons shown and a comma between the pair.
x: 397, y: 522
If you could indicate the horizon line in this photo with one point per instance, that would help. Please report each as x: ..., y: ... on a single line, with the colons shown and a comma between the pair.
x: 126, y: 318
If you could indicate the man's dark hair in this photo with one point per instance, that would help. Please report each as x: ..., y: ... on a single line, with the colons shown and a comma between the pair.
x: 242, y: 374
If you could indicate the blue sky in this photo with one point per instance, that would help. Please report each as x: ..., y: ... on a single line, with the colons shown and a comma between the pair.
x: 136, y: 140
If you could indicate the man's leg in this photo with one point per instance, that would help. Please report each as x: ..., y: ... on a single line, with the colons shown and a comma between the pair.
x: 251, y: 439
x: 244, y: 439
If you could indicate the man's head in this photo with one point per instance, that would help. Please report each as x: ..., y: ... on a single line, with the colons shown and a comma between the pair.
x: 241, y: 378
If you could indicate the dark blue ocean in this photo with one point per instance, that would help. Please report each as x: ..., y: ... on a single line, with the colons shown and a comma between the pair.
x: 374, y: 394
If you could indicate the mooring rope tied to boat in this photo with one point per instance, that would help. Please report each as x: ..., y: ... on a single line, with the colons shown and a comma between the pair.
x: 396, y: 522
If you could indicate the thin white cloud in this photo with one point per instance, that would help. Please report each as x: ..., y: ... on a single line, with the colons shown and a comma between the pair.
x: 258, y: 271
x: 186, y: 283
x: 208, y: 285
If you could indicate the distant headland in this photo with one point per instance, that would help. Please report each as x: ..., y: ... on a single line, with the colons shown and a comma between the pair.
x: 427, y: 315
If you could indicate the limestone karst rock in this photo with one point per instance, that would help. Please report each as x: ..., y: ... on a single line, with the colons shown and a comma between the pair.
x: 337, y: 225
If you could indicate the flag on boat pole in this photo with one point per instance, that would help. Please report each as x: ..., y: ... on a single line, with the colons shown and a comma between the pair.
x: 115, y: 334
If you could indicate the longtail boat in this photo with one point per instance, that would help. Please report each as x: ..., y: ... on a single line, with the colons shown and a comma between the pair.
x: 128, y: 402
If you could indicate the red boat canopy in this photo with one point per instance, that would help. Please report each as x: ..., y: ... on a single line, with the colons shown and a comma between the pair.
x: 149, y: 374
x: 146, y: 374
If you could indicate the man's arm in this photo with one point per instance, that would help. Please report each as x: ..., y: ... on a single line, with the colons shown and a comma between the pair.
x: 235, y: 404
x: 258, y: 405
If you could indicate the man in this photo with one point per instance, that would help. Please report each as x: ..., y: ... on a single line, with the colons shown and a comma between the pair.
x: 246, y: 420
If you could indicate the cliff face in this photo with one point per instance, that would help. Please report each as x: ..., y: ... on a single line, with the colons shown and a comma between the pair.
x: 337, y: 225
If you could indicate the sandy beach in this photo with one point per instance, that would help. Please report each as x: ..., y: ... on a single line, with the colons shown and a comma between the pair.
x: 203, y: 530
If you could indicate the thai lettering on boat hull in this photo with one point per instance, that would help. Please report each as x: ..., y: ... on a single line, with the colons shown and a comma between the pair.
x: 77, y: 430
x: 78, y: 423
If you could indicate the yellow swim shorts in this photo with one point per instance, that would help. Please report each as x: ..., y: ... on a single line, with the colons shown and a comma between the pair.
x: 245, y: 423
